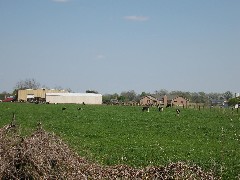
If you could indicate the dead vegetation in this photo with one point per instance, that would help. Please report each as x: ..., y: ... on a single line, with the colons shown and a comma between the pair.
x: 45, y: 156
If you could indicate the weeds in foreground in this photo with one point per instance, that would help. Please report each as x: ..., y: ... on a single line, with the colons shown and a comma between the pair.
x: 45, y: 156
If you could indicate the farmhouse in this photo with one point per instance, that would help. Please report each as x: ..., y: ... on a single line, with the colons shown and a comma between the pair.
x: 175, y: 101
x: 164, y: 100
x: 150, y: 100
x: 76, y: 98
x: 36, y: 94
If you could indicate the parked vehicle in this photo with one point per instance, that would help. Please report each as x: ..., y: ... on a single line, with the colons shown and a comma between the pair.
x: 8, y: 99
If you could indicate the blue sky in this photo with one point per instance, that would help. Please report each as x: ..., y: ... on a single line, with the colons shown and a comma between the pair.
x: 120, y: 45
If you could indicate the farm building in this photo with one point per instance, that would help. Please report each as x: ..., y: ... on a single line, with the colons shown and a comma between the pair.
x: 176, y: 101
x: 76, y: 98
x: 150, y: 99
x: 217, y: 102
x: 164, y: 100
x: 36, y: 94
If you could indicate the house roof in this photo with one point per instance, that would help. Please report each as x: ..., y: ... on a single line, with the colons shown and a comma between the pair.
x: 216, y: 101
x: 175, y: 96
x: 74, y: 94
x: 149, y: 96
x: 160, y: 97
x: 169, y: 97
x: 157, y: 96
x: 152, y: 97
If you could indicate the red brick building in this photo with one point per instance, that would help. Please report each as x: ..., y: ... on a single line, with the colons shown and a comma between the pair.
x: 150, y: 100
x: 164, y: 100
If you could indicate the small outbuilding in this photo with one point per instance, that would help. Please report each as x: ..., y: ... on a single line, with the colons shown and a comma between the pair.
x: 75, y: 98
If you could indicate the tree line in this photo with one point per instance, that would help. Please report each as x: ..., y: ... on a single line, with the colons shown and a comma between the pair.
x: 194, y: 97
x: 131, y: 95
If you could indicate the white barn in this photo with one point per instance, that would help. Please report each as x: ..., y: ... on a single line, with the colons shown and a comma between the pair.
x: 74, y: 98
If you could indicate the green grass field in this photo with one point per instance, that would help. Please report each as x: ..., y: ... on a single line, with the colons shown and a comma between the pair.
x: 111, y: 135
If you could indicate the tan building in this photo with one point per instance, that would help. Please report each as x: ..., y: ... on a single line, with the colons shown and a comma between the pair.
x: 36, y: 94
x: 164, y: 100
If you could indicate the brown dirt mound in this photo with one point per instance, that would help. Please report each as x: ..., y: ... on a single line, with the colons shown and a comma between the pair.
x: 45, y: 156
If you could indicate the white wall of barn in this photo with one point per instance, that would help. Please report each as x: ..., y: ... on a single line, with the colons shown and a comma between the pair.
x: 75, y: 98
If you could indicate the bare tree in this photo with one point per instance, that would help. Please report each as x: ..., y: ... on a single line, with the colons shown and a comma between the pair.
x: 27, y: 84
x: 60, y: 88
x: 129, y: 95
x: 69, y: 90
x: 161, y: 92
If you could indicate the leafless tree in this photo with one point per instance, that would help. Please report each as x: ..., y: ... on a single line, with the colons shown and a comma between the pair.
x: 27, y: 84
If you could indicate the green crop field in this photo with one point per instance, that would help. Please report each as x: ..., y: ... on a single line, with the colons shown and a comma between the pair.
x: 111, y: 135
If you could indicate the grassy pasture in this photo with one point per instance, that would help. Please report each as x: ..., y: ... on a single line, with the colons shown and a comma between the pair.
x: 111, y: 135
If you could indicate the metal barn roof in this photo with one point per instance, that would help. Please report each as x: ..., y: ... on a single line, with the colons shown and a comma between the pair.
x: 73, y: 94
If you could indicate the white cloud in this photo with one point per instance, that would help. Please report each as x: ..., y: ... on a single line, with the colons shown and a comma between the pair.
x: 136, y: 18
x: 60, y: 1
